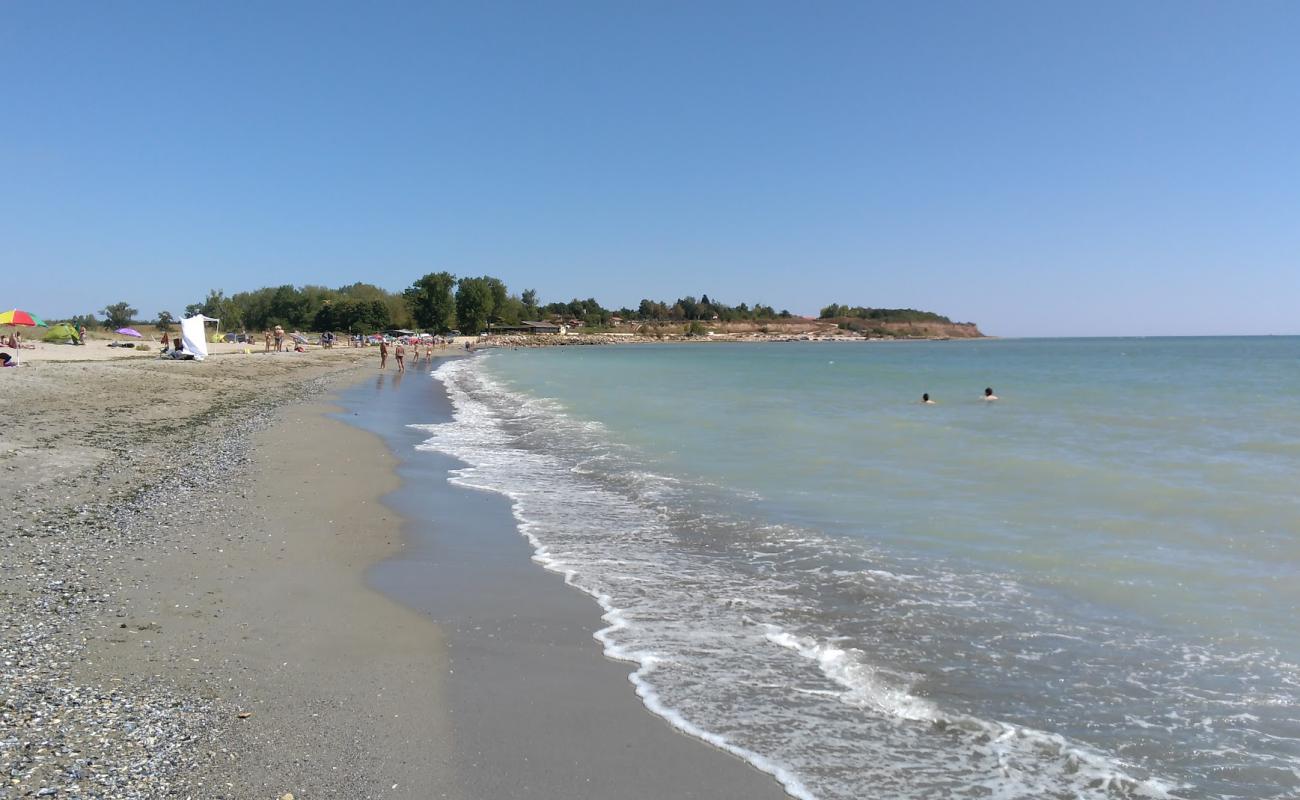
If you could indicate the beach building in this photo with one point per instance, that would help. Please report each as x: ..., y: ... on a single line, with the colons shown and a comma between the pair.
x: 527, y: 327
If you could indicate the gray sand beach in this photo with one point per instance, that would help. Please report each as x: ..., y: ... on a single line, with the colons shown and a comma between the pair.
x: 213, y: 587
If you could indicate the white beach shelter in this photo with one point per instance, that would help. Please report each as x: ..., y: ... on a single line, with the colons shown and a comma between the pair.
x: 192, y: 338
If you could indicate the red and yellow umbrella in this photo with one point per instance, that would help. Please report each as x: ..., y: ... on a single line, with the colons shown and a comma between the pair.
x: 13, y: 317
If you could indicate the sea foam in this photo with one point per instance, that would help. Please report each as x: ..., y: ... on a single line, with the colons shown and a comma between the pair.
x: 798, y: 652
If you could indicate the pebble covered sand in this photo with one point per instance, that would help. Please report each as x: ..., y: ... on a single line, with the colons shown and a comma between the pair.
x: 106, y: 465
x: 185, y: 610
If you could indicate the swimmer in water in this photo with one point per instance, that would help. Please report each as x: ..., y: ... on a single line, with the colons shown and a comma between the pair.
x: 925, y: 399
x: 989, y: 396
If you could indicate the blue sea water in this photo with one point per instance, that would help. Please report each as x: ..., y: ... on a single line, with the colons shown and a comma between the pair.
x: 1086, y: 589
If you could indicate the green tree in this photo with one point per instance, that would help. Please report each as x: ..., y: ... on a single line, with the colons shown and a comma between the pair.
x: 88, y: 320
x: 330, y: 316
x: 289, y: 307
x: 652, y: 310
x: 165, y: 321
x: 883, y: 314
x: 431, y: 303
x: 475, y: 303
x: 376, y: 315
x: 499, y: 294
x: 254, y: 308
x: 512, y: 311
x: 218, y: 306
x: 593, y: 313
x: 529, y: 299
x: 118, y: 315
x: 362, y: 291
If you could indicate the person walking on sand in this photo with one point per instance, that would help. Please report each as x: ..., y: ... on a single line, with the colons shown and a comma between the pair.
x: 383, y: 353
x: 400, y: 353
x: 989, y: 397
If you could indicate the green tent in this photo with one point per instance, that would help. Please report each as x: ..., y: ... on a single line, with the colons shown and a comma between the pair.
x: 62, y: 333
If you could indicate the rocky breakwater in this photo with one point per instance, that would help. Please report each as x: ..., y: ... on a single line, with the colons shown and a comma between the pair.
x: 557, y: 340
x: 824, y: 333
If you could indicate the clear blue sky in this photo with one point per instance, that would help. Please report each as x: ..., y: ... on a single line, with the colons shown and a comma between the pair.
x: 1041, y: 168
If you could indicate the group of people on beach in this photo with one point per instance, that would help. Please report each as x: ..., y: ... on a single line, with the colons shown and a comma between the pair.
x: 988, y: 397
x: 399, y: 352
x: 14, y: 341
x: 274, y: 337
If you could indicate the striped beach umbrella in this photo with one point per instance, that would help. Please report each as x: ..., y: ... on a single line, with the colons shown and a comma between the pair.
x: 25, y: 318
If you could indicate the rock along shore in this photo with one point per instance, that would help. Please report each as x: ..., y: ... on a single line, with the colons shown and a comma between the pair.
x: 579, y: 339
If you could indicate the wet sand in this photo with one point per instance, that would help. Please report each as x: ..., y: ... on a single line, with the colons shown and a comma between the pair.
x: 535, y: 708
x: 329, y: 688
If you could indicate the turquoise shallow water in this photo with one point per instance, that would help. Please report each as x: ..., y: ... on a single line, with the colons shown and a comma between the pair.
x: 1088, y: 588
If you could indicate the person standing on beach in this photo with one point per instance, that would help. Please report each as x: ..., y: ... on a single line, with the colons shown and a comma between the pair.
x: 279, y: 339
x: 400, y: 352
x: 81, y: 334
x: 383, y: 353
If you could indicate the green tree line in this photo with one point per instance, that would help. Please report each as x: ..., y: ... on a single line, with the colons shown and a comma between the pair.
x: 441, y: 302
x: 837, y: 311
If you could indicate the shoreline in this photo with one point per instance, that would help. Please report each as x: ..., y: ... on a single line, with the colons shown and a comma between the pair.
x: 528, y: 676
x: 199, y: 602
